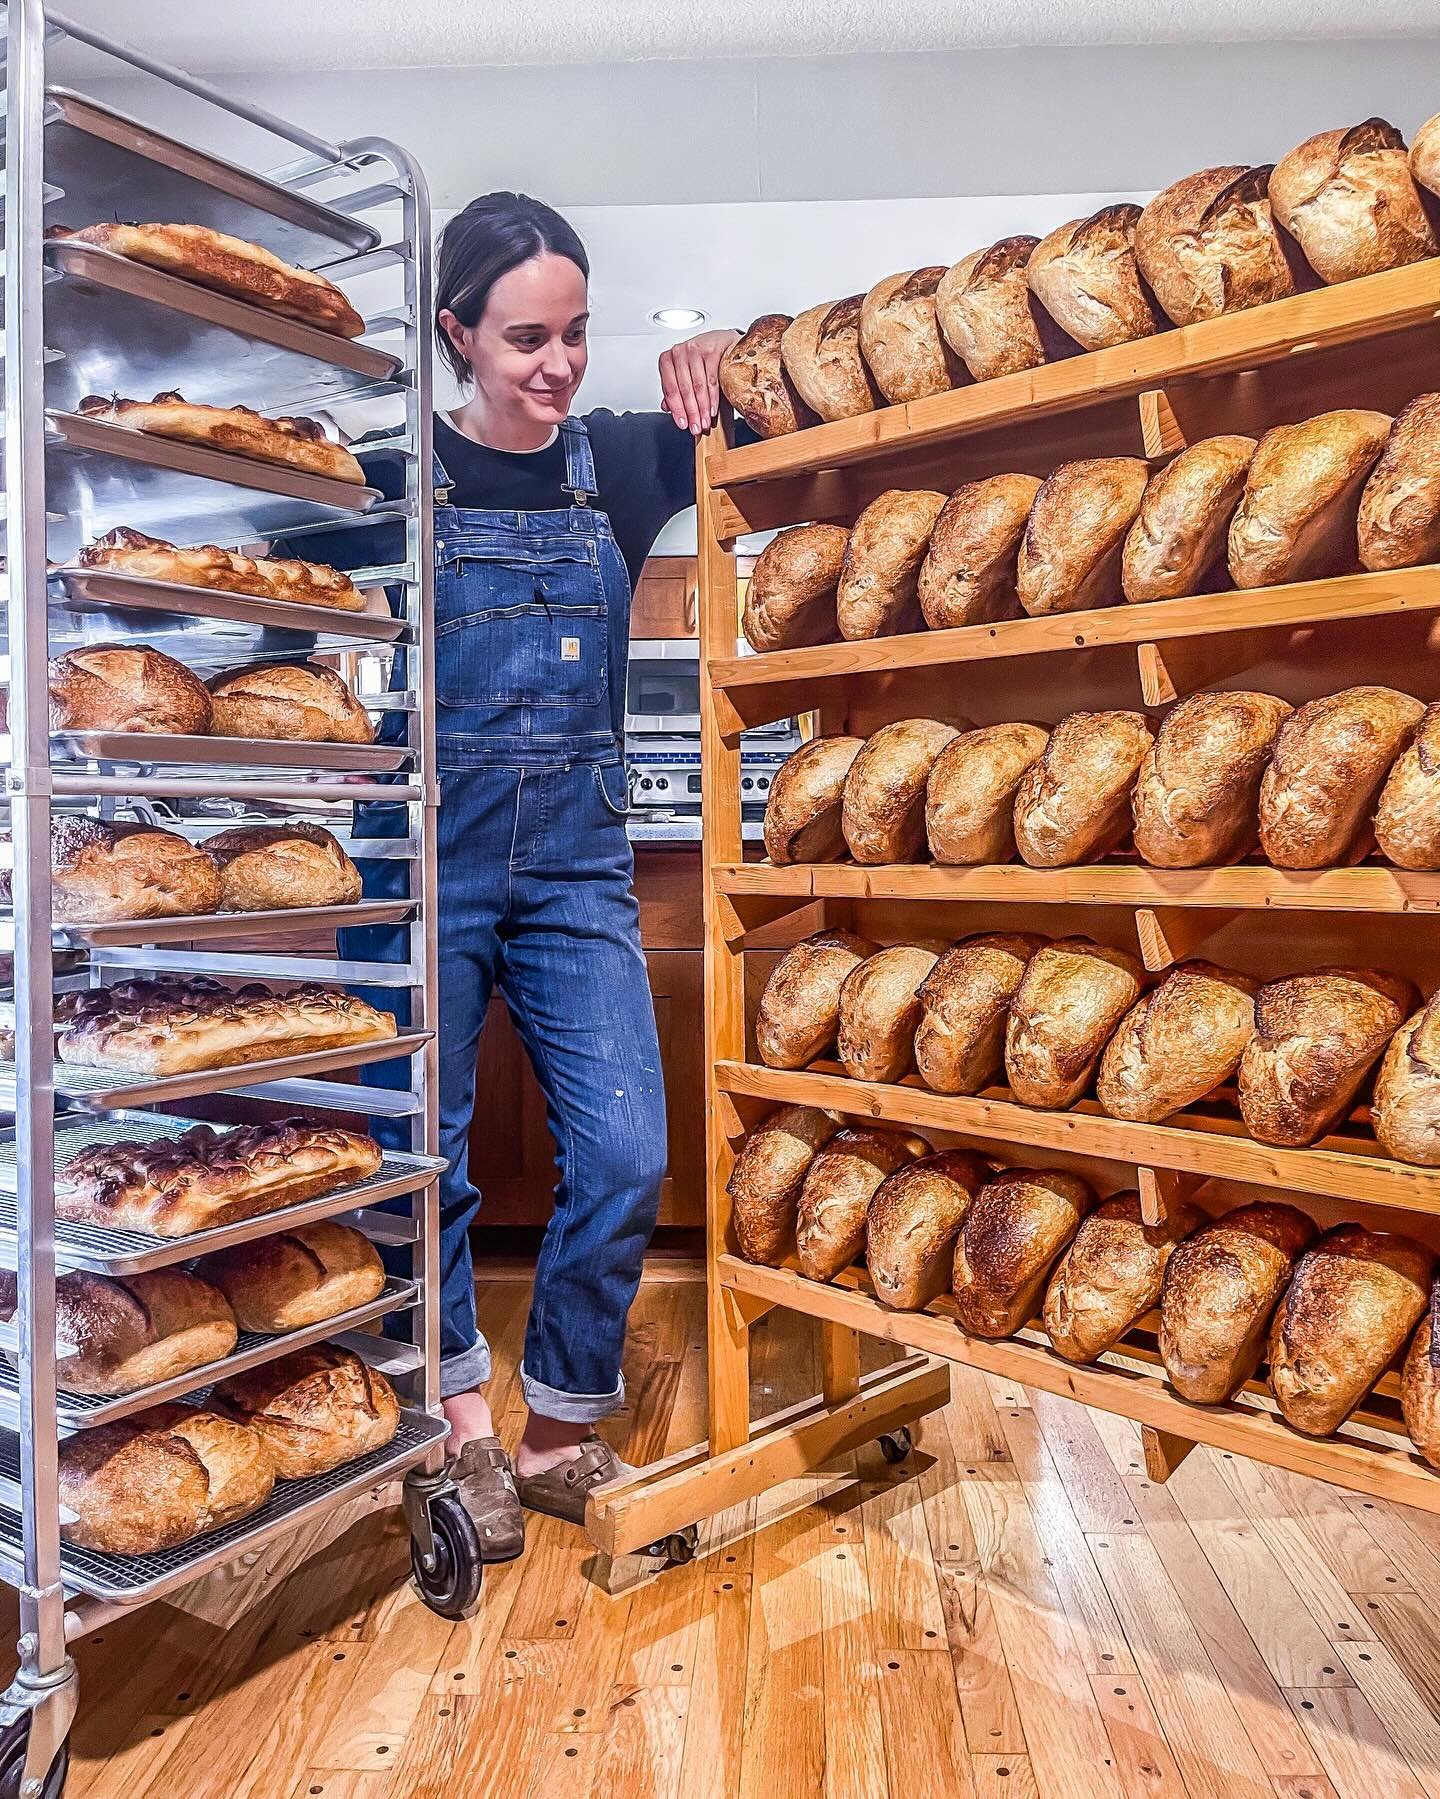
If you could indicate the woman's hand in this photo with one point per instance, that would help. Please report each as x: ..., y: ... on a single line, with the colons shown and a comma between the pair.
x: 690, y: 379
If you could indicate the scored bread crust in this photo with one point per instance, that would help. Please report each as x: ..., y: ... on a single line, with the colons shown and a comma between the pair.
x: 900, y: 337
x: 830, y: 1218
x: 754, y: 381
x: 295, y: 1278
x: 882, y: 812
x: 204, y: 1178
x: 102, y: 869
x: 912, y: 1222
x: 765, y: 1183
x: 178, y: 1026
x: 1349, y: 200
x: 1208, y: 245
x: 1406, y: 1110
x: 965, y: 1001
x: 1014, y: 1231
x: 969, y: 572
x: 1195, y: 798
x: 1351, y: 1305
x: 130, y: 552
x: 1398, y: 524
x: 230, y: 265
x: 1176, y: 547
x: 1073, y: 803
x: 290, y: 702
x: 1177, y: 1043
x: 1407, y: 819
x: 1074, y: 539
x: 1085, y: 276
x: 1111, y: 1275
x: 790, y: 597
x: 298, y: 443
x: 271, y: 868
x: 878, y: 591
x: 970, y: 793
x: 989, y: 317
x: 1070, y: 999
x: 127, y: 687
x: 314, y: 1409
x: 821, y: 354
x: 802, y: 812
x: 799, y: 1012
x: 879, y: 1010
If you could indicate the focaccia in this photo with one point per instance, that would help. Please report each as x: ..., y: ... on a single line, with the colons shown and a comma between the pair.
x: 298, y: 443
x: 205, y: 1178
x: 178, y: 1026
x: 230, y: 265
x: 129, y: 552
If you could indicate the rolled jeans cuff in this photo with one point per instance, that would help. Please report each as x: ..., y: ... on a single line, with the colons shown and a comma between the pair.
x: 463, y: 1372
x: 570, y: 1408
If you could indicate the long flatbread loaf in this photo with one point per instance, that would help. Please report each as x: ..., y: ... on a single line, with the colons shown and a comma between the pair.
x: 128, y: 552
x: 298, y: 443
x: 179, y: 1026
x: 230, y: 265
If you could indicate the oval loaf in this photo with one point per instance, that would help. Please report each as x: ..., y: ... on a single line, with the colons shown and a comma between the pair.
x: 1073, y: 802
x: 126, y: 687
x: 883, y: 811
x: 1398, y: 524
x: 970, y: 796
x: 1208, y: 245
x: 1296, y: 518
x: 1425, y: 155
x: 879, y: 578
x: 790, y: 599
x: 830, y: 1222
x: 912, y: 1223
x: 1016, y: 1227
x: 1110, y: 1276
x: 1407, y: 820
x: 1177, y: 544
x: 1072, y: 996
x: 1407, y: 1091
x: 1195, y: 800
x: 765, y: 1183
x: 1178, y: 1043
x: 965, y: 1001
x: 879, y: 1010
x: 802, y: 813
x: 990, y: 318
x: 1420, y: 1382
x: 754, y: 381
x: 1349, y: 200
x: 799, y: 1010
x: 900, y: 337
x: 821, y: 353
x: 968, y: 575
x: 297, y: 1277
x: 316, y: 1408
x: 1074, y: 538
x: 1085, y: 276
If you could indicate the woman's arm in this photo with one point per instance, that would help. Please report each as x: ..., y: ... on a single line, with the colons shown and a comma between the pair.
x: 690, y: 379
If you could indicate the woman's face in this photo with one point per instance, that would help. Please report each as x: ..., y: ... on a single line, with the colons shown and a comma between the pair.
x: 528, y: 351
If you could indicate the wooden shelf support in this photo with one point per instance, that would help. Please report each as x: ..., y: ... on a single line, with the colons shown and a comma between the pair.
x: 1163, y: 1191
x: 1160, y: 431
x: 1164, y: 1452
x: 1168, y: 937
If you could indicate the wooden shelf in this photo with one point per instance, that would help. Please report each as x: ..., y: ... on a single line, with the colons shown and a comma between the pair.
x: 1203, y: 615
x: 1391, y: 1470
x: 1215, y: 1147
x: 1246, y: 887
x: 1373, y: 306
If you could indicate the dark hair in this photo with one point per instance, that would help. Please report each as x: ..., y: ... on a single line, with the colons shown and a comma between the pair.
x: 493, y: 235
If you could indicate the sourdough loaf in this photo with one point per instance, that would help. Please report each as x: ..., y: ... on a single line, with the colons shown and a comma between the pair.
x: 990, y: 318
x: 970, y: 795
x: 1085, y: 276
x: 1015, y: 1229
x: 292, y: 701
x: 765, y: 1183
x: 879, y: 1010
x: 1407, y: 1091
x: 799, y: 1011
x: 821, y: 353
x: 900, y: 337
x: 830, y: 1221
x: 102, y: 869
x: 315, y: 1409
x: 1420, y: 1381
x: 1110, y: 1276
x: 802, y: 813
x: 1073, y: 803
x: 1407, y: 820
x: 1178, y: 1043
x: 754, y: 381
x: 1349, y: 200
x: 964, y: 1003
x: 883, y: 811
x: 1296, y: 518
x: 1425, y: 155
x: 877, y: 594
x: 790, y: 598
x: 270, y: 868
x: 1177, y: 544
x: 1070, y: 999
x: 126, y: 687
x: 912, y: 1223
x: 1208, y: 244
x: 1074, y: 539
x: 1398, y: 524
x: 968, y: 575
x: 296, y: 1277
x: 1220, y: 1287
x: 1195, y: 800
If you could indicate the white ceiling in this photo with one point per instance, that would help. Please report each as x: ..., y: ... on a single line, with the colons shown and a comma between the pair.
x: 375, y: 34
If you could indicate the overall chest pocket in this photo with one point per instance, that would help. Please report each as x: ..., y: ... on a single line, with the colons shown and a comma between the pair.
x: 520, y: 630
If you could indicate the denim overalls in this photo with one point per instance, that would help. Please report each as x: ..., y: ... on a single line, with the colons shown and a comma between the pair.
x: 532, y: 617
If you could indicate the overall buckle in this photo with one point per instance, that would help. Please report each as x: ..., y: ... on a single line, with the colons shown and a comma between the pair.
x: 579, y: 496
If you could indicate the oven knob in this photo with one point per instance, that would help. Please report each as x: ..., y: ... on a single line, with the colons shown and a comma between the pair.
x: 747, y: 783
x: 764, y: 782
x: 662, y: 783
x: 647, y: 783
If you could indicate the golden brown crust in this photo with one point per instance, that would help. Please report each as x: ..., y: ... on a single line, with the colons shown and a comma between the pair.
x: 270, y: 868
x: 129, y: 552
x: 970, y: 793
x: 1220, y: 1287
x: 1398, y: 524
x: 1177, y: 544
x: 126, y: 687
x: 1195, y: 799
x: 1420, y: 1381
x: 290, y: 702
x: 790, y: 598
x: 821, y: 354
x: 754, y: 381
x: 1348, y: 198
x: 1208, y: 245
x: 1351, y: 1305
x: 1073, y: 803
x: 297, y: 1277
x: 879, y: 1010
x: 1329, y: 763
x: 1110, y: 1276
x: 830, y: 1220
x: 298, y: 443
x: 1086, y: 277
x: 315, y: 1409
x: 1070, y: 999
x: 765, y: 1183
x: 877, y: 595
x: 1178, y: 1043
x: 1407, y: 820
x: 799, y: 1012
x: 1316, y: 1038
x: 102, y: 869
x: 1016, y: 1227
x: 900, y: 337
x: 1296, y: 519
x: 989, y: 317
x: 1406, y: 1110
x: 230, y: 265
x: 1425, y: 155
x: 912, y: 1222
x: 969, y: 572
x: 1075, y: 535
x: 802, y: 813
x: 883, y: 810
x: 965, y: 1002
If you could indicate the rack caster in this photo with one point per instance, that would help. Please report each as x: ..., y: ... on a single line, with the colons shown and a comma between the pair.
x: 896, y: 1445
x: 444, y: 1547
x: 675, y: 1550
x: 14, y: 1741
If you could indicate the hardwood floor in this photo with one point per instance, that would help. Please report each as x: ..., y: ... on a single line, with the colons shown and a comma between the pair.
x: 1017, y: 1613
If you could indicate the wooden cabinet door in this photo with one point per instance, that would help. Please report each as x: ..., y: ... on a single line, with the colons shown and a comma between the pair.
x: 665, y: 604
x: 677, y: 985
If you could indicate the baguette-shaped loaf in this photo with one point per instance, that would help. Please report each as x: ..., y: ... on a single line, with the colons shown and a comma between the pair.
x: 765, y: 1183
x: 298, y: 443
x: 1221, y: 1286
x: 1070, y: 999
x: 879, y: 1010
x: 753, y: 379
x: 1316, y: 1038
x: 1398, y: 524
x: 1072, y: 804
x: 802, y: 813
x: 990, y: 318
x: 316, y: 1408
x: 790, y: 598
x: 1178, y: 1043
x: 968, y: 575
x: 1329, y: 763
x: 1406, y: 1110
x: 830, y: 1222
x: 1349, y: 199
x: 883, y: 811
x: 1110, y: 1276
x: 912, y: 1223
x: 970, y: 795
x: 877, y: 594
x: 1355, y: 1297
x: 1085, y: 276
x: 1420, y: 1381
x: 1296, y: 517
x: 799, y: 1011
x: 298, y: 1277
x: 900, y: 337
x: 821, y: 353
x: 1195, y: 801
x: 1074, y: 540
x: 1176, y: 546
x: 1015, y: 1229
x: 1208, y: 245
x: 965, y: 1001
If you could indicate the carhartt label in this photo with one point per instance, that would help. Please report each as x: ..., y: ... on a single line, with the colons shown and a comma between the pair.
x: 569, y: 649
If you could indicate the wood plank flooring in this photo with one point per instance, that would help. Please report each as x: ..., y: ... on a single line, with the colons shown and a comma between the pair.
x: 1019, y: 1613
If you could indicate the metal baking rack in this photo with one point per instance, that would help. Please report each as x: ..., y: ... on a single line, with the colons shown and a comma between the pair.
x: 78, y: 319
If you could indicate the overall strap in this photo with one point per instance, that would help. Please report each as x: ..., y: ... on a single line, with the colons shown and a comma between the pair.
x: 579, y: 463
x: 440, y: 479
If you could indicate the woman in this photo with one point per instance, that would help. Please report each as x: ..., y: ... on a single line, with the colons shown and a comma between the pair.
x: 542, y: 522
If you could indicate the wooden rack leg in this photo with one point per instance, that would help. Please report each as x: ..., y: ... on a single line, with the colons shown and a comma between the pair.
x: 839, y: 1362
x: 1164, y: 1452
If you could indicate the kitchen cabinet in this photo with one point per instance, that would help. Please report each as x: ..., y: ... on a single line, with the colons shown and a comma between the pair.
x: 664, y: 601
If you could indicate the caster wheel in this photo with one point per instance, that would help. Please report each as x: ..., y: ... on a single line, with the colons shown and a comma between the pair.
x: 451, y: 1584
x: 896, y: 1445
x: 12, y: 1764
x: 680, y: 1545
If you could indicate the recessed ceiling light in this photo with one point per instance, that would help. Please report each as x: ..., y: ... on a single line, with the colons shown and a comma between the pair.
x: 677, y: 318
